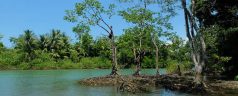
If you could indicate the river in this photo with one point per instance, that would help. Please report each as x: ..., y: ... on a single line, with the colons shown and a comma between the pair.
x: 64, y: 83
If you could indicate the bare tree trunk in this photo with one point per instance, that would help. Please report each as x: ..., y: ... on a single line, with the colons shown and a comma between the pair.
x: 114, y: 56
x: 113, y: 46
x: 134, y: 52
x: 156, y: 55
x: 157, y: 60
x: 138, y: 65
x: 179, y: 70
x: 138, y: 59
x: 198, y: 74
x: 197, y: 43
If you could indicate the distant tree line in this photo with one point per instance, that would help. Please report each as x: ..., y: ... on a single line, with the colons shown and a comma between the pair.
x: 55, y: 51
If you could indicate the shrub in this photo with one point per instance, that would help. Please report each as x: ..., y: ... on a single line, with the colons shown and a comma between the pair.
x: 236, y: 78
x: 43, y: 61
x: 172, y: 66
x: 10, y: 58
x: 148, y: 62
x: 24, y: 66
x: 94, y: 62
x: 45, y: 65
x: 67, y: 64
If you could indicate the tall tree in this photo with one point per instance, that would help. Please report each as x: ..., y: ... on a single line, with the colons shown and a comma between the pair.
x: 196, y: 41
x: 102, y: 47
x: 59, y: 45
x: 86, y: 44
x: 127, y: 48
x: 26, y: 43
x: 148, y: 24
x: 92, y: 12
x: 219, y: 18
x: 1, y: 44
x: 44, y: 43
x: 56, y: 43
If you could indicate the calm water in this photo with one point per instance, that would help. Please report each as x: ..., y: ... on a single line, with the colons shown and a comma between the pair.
x: 64, y: 83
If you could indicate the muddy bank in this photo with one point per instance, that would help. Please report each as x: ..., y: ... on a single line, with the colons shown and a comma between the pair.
x: 224, y: 88
x: 123, y: 83
x: 117, y: 80
x: 173, y: 82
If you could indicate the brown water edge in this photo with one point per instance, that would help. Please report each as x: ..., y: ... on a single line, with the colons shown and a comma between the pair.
x: 144, y: 83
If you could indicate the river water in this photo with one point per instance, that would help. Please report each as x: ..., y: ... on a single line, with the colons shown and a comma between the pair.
x: 64, y: 83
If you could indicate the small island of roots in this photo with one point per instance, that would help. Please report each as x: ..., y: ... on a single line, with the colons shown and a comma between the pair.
x: 144, y: 83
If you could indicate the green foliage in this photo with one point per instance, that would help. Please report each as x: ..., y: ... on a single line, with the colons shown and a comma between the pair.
x: 66, y: 64
x: 148, y: 62
x: 134, y: 15
x: 86, y: 45
x: 178, y: 49
x: 55, y: 51
x: 74, y: 55
x: 47, y: 65
x: 24, y: 66
x: 43, y: 61
x: 173, y: 66
x: 10, y: 58
x: 94, y: 62
x: 102, y: 47
x: 219, y: 25
x: 1, y: 44
x: 148, y: 26
x: 236, y: 78
x: 87, y: 13
x: 26, y: 43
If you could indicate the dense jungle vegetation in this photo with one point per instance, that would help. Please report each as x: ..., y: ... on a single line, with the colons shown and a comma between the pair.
x: 211, y: 48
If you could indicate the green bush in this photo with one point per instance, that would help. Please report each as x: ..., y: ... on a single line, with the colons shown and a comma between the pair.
x: 236, y: 78
x: 173, y: 66
x: 103, y: 63
x: 24, y: 66
x: 10, y: 58
x: 94, y: 62
x: 67, y: 64
x: 148, y: 62
x: 45, y: 65
x: 43, y: 61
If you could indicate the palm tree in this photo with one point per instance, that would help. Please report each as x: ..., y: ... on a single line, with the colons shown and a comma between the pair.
x: 1, y: 44
x: 30, y: 45
x: 54, y: 40
x: 44, y: 43
x: 26, y: 43
x: 59, y: 45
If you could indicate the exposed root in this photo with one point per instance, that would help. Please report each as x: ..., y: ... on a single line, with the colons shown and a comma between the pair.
x: 143, y: 83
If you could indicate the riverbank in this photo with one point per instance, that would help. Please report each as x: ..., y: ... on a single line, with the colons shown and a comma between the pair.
x: 144, y: 83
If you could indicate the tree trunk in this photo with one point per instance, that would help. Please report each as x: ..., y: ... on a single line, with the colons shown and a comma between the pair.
x: 156, y: 55
x: 157, y: 60
x: 198, y: 74
x: 197, y: 43
x: 114, y: 56
x: 138, y: 67
x: 134, y: 52
x: 138, y: 60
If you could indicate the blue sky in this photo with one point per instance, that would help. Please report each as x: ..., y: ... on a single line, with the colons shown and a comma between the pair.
x: 41, y: 16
